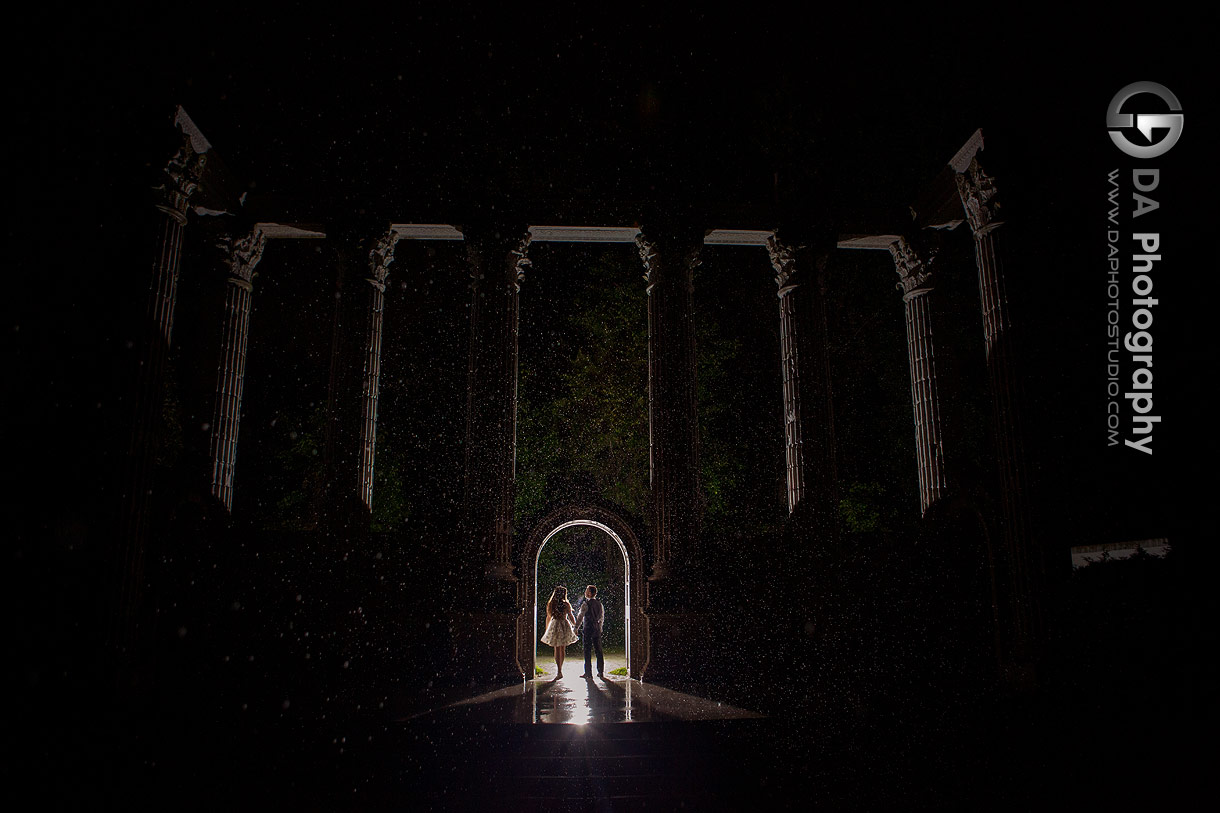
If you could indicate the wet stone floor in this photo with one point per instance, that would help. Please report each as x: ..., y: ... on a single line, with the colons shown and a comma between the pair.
x: 574, y: 700
x: 557, y: 743
x: 579, y: 701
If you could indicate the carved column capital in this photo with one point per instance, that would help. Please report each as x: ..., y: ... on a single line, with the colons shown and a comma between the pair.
x: 914, y: 266
x: 978, y: 193
x: 183, y: 172
x: 520, y: 262
x: 380, y: 257
x: 242, y: 255
x: 783, y: 260
x: 692, y: 260
x: 648, y: 256
x: 651, y: 250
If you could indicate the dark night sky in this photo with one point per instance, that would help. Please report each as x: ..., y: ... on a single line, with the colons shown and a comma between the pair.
x: 446, y: 119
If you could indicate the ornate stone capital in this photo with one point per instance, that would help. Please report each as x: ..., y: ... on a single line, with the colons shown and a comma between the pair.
x: 966, y: 154
x: 183, y: 172
x: 242, y: 255
x: 648, y: 256
x: 783, y: 260
x: 691, y: 261
x: 978, y: 193
x: 520, y: 262
x: 914, y: 266
x: 380, y: 257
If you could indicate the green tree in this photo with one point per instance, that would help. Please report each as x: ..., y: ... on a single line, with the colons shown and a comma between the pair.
x: 583, y: 412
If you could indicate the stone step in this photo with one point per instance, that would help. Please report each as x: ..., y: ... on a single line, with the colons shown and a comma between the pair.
x: 625, y: 803
x: 599, y: 749
x: 643, y: 784
x: 634, y: 766
x: 626, y: 731
x: 600, y: 764
x: 644, y: 767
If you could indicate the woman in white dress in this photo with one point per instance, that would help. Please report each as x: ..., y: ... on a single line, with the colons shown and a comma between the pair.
x: 560, y: 626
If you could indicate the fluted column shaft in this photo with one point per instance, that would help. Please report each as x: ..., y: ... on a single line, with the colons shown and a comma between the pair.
x: 518, y: 264
x: 929, y: 442
x: 1022, y: 561
x: 241, y: 257
x: 784, y: 263
x: 370, y: 389
x: 498, y: 267
x: 808, y: 404
x: 917, y: 288
x: 183, y: 172
x: 677, y: 504
x: 380, y: 257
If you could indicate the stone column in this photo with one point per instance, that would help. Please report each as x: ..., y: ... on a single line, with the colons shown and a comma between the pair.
x: 808, y: 406
x: 241, y: 257
x: 518, y: 264
x: 491, y: 418
x: 677, y: 502
x: 173, y: 198
x: 488, y: 628
x: 380, y: 257
x: 783, y: 260
x: 1024, y: 564
x: 914, y: 268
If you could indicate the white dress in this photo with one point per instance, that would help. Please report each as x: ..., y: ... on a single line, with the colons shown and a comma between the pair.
x: 559, y: 632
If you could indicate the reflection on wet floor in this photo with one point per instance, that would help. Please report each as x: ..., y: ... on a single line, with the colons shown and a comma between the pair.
x: 569, y: 743
x: 580, y: 701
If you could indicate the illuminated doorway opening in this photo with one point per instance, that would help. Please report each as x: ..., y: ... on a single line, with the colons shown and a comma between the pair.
x: 577, y: 586
x: 620, y: 538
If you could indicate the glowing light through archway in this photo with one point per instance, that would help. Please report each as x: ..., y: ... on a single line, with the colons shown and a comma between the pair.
x: 626, y: 581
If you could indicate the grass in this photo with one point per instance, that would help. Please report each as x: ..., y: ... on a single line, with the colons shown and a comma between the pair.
x: 616, y: 652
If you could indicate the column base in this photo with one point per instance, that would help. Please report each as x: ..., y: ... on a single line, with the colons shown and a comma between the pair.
x: 681, y: 648
x: 484, y: 648
x: 665, y: 594
x: 501, y: 572
x: 498, y: 589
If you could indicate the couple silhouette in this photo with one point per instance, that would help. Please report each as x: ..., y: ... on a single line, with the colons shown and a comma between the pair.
x: 562, y: 623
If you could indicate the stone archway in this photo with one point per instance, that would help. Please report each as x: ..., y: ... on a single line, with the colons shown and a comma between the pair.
x: 612, y: 523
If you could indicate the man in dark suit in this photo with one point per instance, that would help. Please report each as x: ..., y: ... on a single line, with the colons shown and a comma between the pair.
x: 592, y: 615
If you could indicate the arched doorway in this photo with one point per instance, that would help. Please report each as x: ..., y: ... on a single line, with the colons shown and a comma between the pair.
x: 575, y: 586
x: 612, y: 523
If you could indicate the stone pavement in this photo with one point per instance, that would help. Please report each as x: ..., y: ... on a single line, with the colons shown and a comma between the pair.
x: 566, y: 743
x: 577, y: 701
